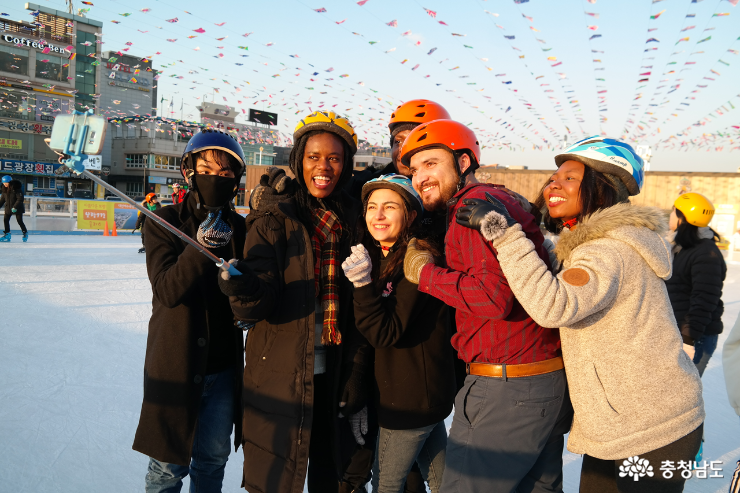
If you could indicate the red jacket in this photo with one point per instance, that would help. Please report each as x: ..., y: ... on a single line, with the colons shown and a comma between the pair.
x: 492, y: 327
x: 177, y: 197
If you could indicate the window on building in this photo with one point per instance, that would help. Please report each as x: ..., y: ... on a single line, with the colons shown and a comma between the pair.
x: 136, y: 160
x: 171, y: 163
x: 44, y: 182
x: 85, y: 71
x: 17, y: 104
x: 51, y: 68
x: 134, y: 189
x: 13, y: 60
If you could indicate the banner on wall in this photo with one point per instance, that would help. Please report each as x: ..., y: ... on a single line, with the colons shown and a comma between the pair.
x: 93, y: 214
x: 11, y: 143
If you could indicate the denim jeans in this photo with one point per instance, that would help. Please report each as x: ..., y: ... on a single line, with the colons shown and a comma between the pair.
x: 397, y: 451
x: 703, y: 350
x: 507, y: 435
x: 211, y: 446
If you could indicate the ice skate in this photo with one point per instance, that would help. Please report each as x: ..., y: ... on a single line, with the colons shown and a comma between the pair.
x: 142, y: 250
x: 25, y: 237
x: 5, y: 237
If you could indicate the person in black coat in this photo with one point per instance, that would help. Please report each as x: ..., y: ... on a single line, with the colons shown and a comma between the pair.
x: 193, y: 365
x: 151, y: 203
x: 12, y: 197
x: 699, y: 270
x: 409, y: 330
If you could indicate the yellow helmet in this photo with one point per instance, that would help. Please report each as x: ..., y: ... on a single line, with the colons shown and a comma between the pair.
x: 330, y: 122
x: 696, y: 208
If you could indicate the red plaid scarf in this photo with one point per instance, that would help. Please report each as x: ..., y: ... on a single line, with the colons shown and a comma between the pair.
x: 325, y: 241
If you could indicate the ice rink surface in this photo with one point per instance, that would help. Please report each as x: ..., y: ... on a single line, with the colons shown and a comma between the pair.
x: 73, y: 328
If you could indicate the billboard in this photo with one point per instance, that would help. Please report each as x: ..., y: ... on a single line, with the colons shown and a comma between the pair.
x: 93, y: 214
x: 263, y: 117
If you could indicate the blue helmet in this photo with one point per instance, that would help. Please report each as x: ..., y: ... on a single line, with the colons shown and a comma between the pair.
x: 7, y: 179
x: 399, y: 184
x: 210, y: 138
x: 608, y: 156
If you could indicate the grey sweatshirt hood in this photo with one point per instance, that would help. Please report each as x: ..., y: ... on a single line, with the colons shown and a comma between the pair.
x: 642, y: 228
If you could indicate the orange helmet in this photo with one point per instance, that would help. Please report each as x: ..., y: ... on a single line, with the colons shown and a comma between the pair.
x: 448, y: 134
x: 418, y: 111
x: 150, y: 196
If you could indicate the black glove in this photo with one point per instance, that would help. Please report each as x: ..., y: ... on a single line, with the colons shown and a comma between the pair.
x: 353, y: 388
x: 245, y: 285
x: 273, y: 188
x: 473, y: 211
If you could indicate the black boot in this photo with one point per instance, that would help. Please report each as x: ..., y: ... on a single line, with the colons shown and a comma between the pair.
x: 142, y: 250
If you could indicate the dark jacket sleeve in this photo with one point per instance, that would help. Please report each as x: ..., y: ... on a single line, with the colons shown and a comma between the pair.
x: 260, y: 254
x: 140, y: 220
x: 174, y: 273
x: 2, y: 199
x: 18, y: 198
x: 383, y: 321
x: 706, y: 290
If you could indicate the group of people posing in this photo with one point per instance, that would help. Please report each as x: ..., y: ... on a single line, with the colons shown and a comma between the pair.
x: 375, y: 301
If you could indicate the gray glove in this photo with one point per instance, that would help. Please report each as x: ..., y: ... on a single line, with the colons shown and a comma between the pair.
x: 414, y: 261
x: 359, y: 425
x: 273, y: 188
x: 358, y: 266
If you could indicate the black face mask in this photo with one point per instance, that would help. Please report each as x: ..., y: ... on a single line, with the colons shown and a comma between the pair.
x: 215, y: 191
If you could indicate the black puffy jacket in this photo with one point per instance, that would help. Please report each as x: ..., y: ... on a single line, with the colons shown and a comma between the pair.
x: 695, y: 290
x: 12, y: 197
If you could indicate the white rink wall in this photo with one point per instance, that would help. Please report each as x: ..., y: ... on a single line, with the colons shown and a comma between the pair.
x: 73, y: 329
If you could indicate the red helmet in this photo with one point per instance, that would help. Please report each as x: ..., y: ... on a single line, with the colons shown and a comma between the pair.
x: 418, y: 111
x: 449, y: 134
x: 150, y: 196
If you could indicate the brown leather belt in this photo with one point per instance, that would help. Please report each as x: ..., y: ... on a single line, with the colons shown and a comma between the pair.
x: 513, y: 371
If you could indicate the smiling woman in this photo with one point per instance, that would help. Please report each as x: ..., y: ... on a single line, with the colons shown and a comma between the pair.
x: 300, y: 314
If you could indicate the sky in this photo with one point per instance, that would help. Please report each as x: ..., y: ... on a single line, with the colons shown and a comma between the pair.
x: 486, y: 61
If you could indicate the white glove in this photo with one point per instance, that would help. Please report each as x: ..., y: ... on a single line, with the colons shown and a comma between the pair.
x: 690, y: 350
x: 359, y: 425
x: 358, y: 266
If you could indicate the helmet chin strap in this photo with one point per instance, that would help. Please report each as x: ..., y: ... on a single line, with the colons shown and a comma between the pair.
x: 463, y: 175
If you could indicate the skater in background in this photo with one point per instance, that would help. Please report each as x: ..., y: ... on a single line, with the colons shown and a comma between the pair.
x: 634, y: 388
x: 151, y: 203
x: 177, y: 194
x: 699, y: 270
x: 194, y: 352
x: 410, y: 333
x: 12, y: 197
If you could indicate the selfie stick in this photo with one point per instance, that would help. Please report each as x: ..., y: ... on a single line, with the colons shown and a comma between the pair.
x: 74, y: 162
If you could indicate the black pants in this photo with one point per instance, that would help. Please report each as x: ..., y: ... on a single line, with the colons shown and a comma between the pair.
x: 18, y: 217
x: 602, y: 476
x: 322, y: 472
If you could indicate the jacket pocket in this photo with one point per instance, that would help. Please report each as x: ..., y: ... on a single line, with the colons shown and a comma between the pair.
x: 257, y: 351
x: 594, y: 413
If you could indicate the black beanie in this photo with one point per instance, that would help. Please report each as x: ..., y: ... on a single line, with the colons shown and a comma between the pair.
x: 400, y: 127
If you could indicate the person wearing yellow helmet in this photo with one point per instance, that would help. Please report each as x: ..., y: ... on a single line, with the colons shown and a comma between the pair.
x: 297, y: 303
x: 695, y: 288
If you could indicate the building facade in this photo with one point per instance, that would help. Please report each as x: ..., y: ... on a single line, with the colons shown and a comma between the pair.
x: 48, y: 66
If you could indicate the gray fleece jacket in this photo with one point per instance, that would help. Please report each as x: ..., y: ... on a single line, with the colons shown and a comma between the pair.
x: 633, y: 387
